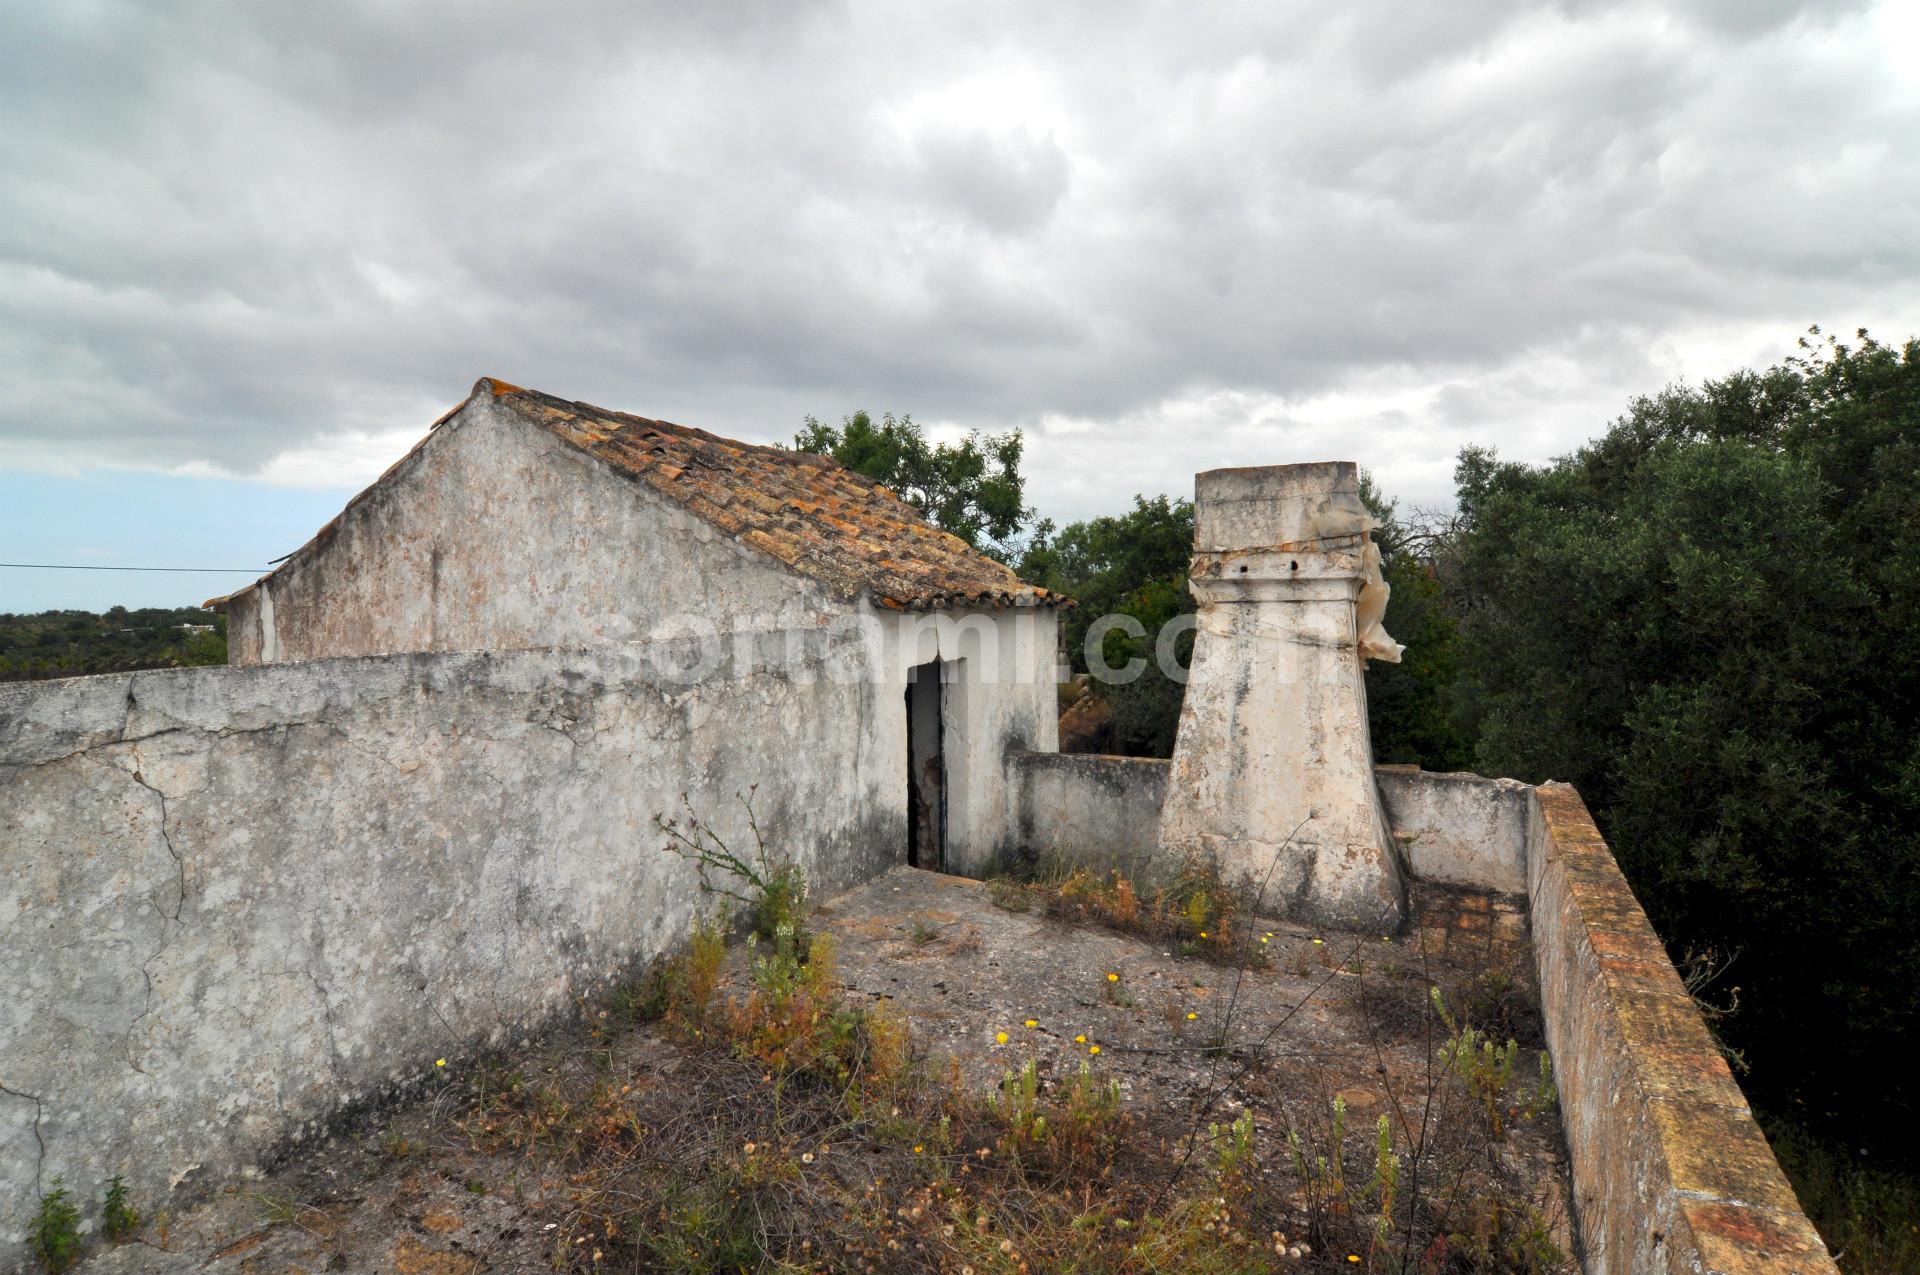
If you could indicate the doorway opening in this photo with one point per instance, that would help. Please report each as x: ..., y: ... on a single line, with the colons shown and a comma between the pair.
x: 926, y: 769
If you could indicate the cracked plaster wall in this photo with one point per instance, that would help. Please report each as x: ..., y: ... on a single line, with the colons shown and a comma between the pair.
x: 236, y: 901
x: 1092, y: 808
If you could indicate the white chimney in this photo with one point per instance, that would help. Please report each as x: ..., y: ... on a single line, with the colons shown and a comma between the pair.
x: 1272, y: 776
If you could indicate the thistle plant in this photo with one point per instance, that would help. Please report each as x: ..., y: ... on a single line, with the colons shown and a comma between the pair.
x: 773, y: 890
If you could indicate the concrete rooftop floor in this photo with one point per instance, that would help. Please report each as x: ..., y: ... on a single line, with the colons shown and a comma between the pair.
x: 1331, y: 1013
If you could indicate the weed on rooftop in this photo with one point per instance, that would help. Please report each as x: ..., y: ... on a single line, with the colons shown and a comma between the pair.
x: 759, y: 1104
x: 118, y: 1218
x: 54, y: 1233
x: 780, y: 1125
x: 771, y: 888
x: 1192, y: 912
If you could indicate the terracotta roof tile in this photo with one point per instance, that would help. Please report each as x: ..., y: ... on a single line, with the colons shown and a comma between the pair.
x: 809, y: 512
x: 823, y: 520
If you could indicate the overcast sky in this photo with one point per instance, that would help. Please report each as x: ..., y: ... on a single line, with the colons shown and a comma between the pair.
x: 249, y: 251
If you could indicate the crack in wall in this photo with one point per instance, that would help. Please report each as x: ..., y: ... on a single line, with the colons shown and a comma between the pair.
x: 172, y: 926
x: 316, y: 955
x: 326, y: 1020
x: 39, y: 1112
x: 106, y: 740
x: 330, y: 757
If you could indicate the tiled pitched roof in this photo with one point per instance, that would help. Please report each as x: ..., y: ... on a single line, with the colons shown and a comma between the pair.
x: 819, y: 518
x: 812, y: 513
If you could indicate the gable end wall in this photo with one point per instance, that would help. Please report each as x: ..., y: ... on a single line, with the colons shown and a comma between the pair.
x: 494, y: 534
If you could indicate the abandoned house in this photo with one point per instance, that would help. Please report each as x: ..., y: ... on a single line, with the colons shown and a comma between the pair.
x: 522, y: 521
x: 417, y: 817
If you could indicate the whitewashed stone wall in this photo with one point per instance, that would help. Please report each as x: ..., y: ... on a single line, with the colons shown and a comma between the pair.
x: 1455, y: 829
x: 1004, y: 698
x: 236, y: 900
x: 495, y: 535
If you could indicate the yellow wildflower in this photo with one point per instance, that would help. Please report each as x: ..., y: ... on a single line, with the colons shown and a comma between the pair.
x: 1001, y: 1037
x: 1093, y: 1049
x: 1033, y: 1022
x: 1113, y: 978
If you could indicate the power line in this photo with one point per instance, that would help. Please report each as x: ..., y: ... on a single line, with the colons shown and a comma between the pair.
x: 69, y: 566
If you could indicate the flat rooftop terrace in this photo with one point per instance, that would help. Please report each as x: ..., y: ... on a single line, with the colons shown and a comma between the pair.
x: 603, y: 1146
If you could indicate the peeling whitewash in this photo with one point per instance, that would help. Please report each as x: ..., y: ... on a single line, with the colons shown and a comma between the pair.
x: 236, y: 900
x: 496, y: 535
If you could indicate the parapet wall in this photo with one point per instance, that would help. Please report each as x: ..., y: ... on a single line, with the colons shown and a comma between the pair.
x: 1092, y: 806
x: 237, y: 900
x: 1457, y: 829
x: 1671, y: 1174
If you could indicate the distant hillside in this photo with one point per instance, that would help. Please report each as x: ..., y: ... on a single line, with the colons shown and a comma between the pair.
x: 71, y: 643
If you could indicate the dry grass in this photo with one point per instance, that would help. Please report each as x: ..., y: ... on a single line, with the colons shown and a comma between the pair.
x: 779, y: 1128
x: 1193, y: 912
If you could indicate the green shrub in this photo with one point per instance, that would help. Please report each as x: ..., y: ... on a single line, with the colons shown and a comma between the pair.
x: 1708, y: 619
x: 118, y: 1220
x: 54, y: 1233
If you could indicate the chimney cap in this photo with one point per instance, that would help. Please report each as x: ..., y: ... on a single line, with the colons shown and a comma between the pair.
x: 1263, y: 506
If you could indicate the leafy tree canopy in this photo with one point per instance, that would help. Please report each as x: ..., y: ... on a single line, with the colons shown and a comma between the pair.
x: 1135, y: 564
x: 72, y: 643
x: 1709, y: 620
x: 972, y: 488
x: 1132, y: 564
x: 1410, y: 705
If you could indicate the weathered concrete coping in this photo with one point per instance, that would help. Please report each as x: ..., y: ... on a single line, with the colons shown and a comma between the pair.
x: 1670, y: 1172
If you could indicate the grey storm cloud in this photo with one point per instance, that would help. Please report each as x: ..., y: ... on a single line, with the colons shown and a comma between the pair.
x: 1154, y: 236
